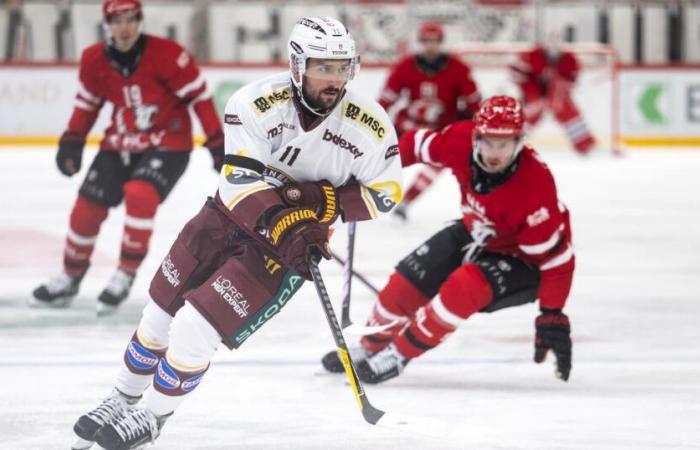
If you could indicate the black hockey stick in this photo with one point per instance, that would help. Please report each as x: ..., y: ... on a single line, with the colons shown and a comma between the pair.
x: 369, y: 412
x: 347, y: 276
x: 356, y: 274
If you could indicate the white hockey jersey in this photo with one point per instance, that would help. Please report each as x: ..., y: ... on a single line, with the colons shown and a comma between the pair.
x: 355, y: 141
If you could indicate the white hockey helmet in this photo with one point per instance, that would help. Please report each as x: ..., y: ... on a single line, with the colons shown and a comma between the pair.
x: 322, y: 38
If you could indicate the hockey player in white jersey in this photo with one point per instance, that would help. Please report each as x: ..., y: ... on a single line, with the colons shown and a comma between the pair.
x: 300, y: 152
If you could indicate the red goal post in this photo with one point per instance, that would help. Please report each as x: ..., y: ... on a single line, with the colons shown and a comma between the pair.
x: 596, y: 92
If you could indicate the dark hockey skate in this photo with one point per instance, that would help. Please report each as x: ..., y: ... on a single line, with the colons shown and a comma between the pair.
x: 111, y: 408
x: 332, y: 363
x: 133, y: 430
x: 115, y: 293
x: 383, y: 365
x: 58, y: 292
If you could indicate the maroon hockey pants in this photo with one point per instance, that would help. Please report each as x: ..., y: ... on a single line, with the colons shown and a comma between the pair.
x: 231, y: 279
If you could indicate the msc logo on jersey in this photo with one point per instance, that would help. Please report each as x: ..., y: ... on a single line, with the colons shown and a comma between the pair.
x: 264, y: 103
x: 367, y: 120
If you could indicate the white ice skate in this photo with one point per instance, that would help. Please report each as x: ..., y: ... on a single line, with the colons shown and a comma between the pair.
x: 383, y: 365
x: 115, y: 293
x: 58, y: 292
x: 332, y: 363
x: 133, y: 430
x: 111, y: 408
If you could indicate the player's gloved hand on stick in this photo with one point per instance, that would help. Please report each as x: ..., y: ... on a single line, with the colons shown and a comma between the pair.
x: 70, y: 153
x: 296, y: 234
x: 215, y: 145
x: 321, y: 196
x: 553, y: 332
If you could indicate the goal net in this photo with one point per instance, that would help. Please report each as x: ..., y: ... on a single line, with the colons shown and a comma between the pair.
x: 595, y: 93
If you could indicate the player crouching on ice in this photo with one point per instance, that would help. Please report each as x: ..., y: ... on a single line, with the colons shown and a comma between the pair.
x: 151, y: 83
x: 511, y: 247
x: 300, y: 151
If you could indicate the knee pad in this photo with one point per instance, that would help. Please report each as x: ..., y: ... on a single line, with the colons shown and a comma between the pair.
x: 400, y: 297
x: 465, y: 291
x: 86, y: 217
x: 193, y: 340
x: 141, y: 199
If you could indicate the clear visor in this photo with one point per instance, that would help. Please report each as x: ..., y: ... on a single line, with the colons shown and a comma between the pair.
x: 332, y: 69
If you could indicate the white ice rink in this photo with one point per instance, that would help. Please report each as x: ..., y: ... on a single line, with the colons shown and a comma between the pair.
x: 634, y: 308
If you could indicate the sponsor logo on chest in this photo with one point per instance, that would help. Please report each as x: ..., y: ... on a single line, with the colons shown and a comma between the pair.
x: 367, y: 120
x: 265, y: 102
x: 341, y: 142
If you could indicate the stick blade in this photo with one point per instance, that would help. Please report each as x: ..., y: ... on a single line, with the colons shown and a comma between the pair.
x: 418, y: 425
x: 364, y: 330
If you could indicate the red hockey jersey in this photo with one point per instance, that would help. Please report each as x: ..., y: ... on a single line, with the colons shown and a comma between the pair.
x: 434, y: 100
x: 522, y: 216
x: 536, y: 66
x: 150, y: 106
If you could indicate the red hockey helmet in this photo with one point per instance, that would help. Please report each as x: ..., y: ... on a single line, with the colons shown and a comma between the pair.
x: 113, y: 7
x: 499, y: 116
x: 430, y: 31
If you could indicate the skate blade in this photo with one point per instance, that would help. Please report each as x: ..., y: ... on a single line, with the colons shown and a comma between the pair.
x: 82, y: 444
x: 58, y: 303
x: 105, y: 310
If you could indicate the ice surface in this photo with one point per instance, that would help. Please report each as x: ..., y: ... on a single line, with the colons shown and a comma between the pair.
x: 635, y: 308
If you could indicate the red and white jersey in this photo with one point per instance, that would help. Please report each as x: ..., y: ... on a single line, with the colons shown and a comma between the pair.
x: 150, y: 106
x: 433, y: 100
x: 539, y: 67
x: 521, y: 217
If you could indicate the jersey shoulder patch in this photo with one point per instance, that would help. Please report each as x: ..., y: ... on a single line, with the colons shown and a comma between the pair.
x: 262, y: 104
x: 370, y: 119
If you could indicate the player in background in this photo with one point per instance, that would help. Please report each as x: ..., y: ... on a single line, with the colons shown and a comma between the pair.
x: 429, y: 89
x: 302, y: 148
x: 546, y: 77
x: 511, y: 247
x: 151, y: 83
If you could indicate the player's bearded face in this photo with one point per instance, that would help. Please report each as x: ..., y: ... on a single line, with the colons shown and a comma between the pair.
x: 125, y: 29
x: 324, y: 81
x: 497, y: 152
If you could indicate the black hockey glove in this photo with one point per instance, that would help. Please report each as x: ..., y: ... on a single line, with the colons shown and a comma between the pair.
x: 215, y: 145
x: 321, y: 196
x: 70, y: 153
x: 553, y: 332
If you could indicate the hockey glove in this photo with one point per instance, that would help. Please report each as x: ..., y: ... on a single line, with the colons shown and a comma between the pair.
x: 320, y: 196
x: 553, y: 332
x: 296, y: 234
x: 215, y: 145
x: 70, y: 153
